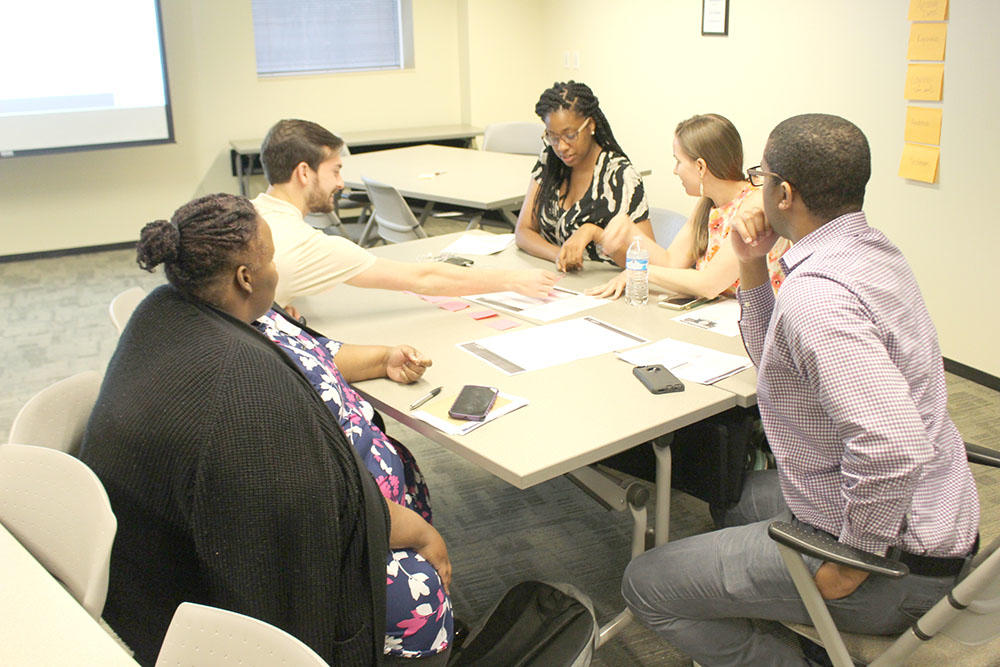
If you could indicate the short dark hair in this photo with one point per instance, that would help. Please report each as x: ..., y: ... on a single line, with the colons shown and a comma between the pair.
x: 204, y: 238
x: 826, y: 158
x: 292, y: 141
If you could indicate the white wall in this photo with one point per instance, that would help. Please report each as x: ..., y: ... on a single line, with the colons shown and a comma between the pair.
x: 487, y: 60
x: 96, y: 197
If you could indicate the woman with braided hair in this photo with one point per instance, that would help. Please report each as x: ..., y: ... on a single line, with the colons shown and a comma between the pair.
x: 583, y: 180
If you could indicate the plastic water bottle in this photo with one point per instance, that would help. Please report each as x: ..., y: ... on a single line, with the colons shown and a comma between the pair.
x: 637, y: 266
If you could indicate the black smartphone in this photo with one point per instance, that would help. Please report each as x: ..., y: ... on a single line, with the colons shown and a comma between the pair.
x: 458, y: 261
x: 658, y: 379
x: 474, y: 402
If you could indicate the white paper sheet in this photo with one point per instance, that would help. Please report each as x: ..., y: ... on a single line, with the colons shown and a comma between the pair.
x: 562, y: 303
x: 478, y: 244
x: 687, y: 361
x: 551, y: 344
x: 721, y: 317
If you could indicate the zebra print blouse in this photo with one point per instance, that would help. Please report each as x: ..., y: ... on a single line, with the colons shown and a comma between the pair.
x: 615, y: 186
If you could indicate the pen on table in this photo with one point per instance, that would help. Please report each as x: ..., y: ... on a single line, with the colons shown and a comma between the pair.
x: 426, y: 397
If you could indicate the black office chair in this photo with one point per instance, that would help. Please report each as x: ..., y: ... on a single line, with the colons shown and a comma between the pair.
x: 958, y: 630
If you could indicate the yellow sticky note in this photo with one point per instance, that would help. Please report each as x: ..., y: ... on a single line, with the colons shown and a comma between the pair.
x: 927, y: 41
x: 923, y: 125
x: 928, y: 10
x: 920, y: 163
x: 924, y: 82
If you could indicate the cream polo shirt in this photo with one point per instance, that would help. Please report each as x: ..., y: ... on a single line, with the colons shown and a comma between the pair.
x: 308, y: 261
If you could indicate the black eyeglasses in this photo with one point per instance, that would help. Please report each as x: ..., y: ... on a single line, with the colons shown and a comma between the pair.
x: 756, y: 176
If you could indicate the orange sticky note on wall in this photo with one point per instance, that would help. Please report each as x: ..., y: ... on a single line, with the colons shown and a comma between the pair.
x: 924, y: 82
x: 927, y: 41
x: 923, y: 125
x: 920, y: 163
x: 928, y: 10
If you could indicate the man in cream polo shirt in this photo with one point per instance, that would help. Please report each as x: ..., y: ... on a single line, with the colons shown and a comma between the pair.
x: 302, y: 163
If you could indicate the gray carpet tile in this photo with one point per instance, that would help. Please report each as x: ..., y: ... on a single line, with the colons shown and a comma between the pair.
x: 497, y: 535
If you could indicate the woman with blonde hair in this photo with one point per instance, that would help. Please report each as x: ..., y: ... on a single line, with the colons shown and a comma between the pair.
x: 699, y: 262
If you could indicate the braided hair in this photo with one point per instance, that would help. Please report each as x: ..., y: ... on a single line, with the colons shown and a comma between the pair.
x: 577, y: 97
x: 204, y: 238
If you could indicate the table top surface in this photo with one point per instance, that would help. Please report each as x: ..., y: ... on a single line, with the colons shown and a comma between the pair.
x: 380, y: 137
x: 578, y: 413
x: 40, y: 622
x: 444, y: 174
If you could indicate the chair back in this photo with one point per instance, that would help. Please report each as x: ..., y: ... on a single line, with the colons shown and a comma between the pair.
x: 57, y: 508
x: 56, y: 416
x: 207, y: 636
x: 122, y: 306
x: 666, y: 224
x: 393, y: 218
x: 520, y: 138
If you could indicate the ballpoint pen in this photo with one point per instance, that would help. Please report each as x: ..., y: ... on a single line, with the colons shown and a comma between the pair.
x: 426, y: 397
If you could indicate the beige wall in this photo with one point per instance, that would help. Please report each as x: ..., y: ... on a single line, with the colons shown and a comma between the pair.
x: 650, y: 66
x: 487, y: 60
x: 96, y: 197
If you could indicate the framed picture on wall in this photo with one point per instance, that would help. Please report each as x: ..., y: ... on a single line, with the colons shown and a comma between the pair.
x: 715, y: 17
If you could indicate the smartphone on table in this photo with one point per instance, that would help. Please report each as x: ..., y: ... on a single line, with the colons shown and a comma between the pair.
x: 473, y: 403
x: 658, y: 379
x: 682, y: 302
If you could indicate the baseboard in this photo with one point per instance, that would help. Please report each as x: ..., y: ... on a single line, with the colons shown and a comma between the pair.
x: 65, y: 252
x: 972, y: 374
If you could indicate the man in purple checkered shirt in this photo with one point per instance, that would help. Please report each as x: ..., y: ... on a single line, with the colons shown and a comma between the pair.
x: 852, y: 395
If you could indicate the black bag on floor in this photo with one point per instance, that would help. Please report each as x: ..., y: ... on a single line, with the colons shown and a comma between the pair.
x: 708, y: 458
x: 534, y: 624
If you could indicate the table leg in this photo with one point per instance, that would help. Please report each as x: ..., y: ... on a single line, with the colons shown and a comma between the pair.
x: 426, y: 212
x: 509, y: 216
x: 475, y: 220
x: 240, y: 177
x: 661, y: 447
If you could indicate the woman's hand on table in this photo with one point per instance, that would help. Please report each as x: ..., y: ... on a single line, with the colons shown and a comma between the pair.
x: 612, y: 289
x: 404, y: 364
x: 571, y: 253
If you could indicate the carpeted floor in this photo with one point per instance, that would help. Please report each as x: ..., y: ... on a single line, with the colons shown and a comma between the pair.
x: 497, y: 535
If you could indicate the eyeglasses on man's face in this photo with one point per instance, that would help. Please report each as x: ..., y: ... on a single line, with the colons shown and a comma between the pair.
x: 553, y: 140
x: 756, y: 176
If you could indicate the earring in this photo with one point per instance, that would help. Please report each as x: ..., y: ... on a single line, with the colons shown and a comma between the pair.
x: 701, y: 187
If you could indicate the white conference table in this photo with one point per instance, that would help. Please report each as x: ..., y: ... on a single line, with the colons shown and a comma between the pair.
x: 479, y: 180
x: 250, y: 148
x: 40, y: 622
x: 578, y: 413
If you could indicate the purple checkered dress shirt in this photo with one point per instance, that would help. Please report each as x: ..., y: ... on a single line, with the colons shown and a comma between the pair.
x: 852, y: 394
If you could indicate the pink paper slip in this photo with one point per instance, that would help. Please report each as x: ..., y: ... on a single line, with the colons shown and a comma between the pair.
x: 434, y: 299
x: 500, y: 324
x: 483, y: 314
x: 453, y: 305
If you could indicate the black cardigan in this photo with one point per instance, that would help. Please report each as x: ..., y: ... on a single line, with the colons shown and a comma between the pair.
x: 233, y: 486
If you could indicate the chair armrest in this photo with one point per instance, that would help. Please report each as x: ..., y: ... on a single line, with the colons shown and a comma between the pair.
x: 820, y: 545
x: 982, y: 455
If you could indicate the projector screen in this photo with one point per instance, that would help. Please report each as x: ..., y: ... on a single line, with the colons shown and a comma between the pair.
x: 82, y: 75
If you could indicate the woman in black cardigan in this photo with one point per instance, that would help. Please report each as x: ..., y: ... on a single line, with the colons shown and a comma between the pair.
x: 233, y: 484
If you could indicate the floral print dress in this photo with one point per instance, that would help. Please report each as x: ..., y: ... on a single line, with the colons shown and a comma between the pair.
x: 419, y: 618
x: 720, y: 222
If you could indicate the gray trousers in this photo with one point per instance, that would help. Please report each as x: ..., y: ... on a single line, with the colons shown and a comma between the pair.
x: 700, y: 593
